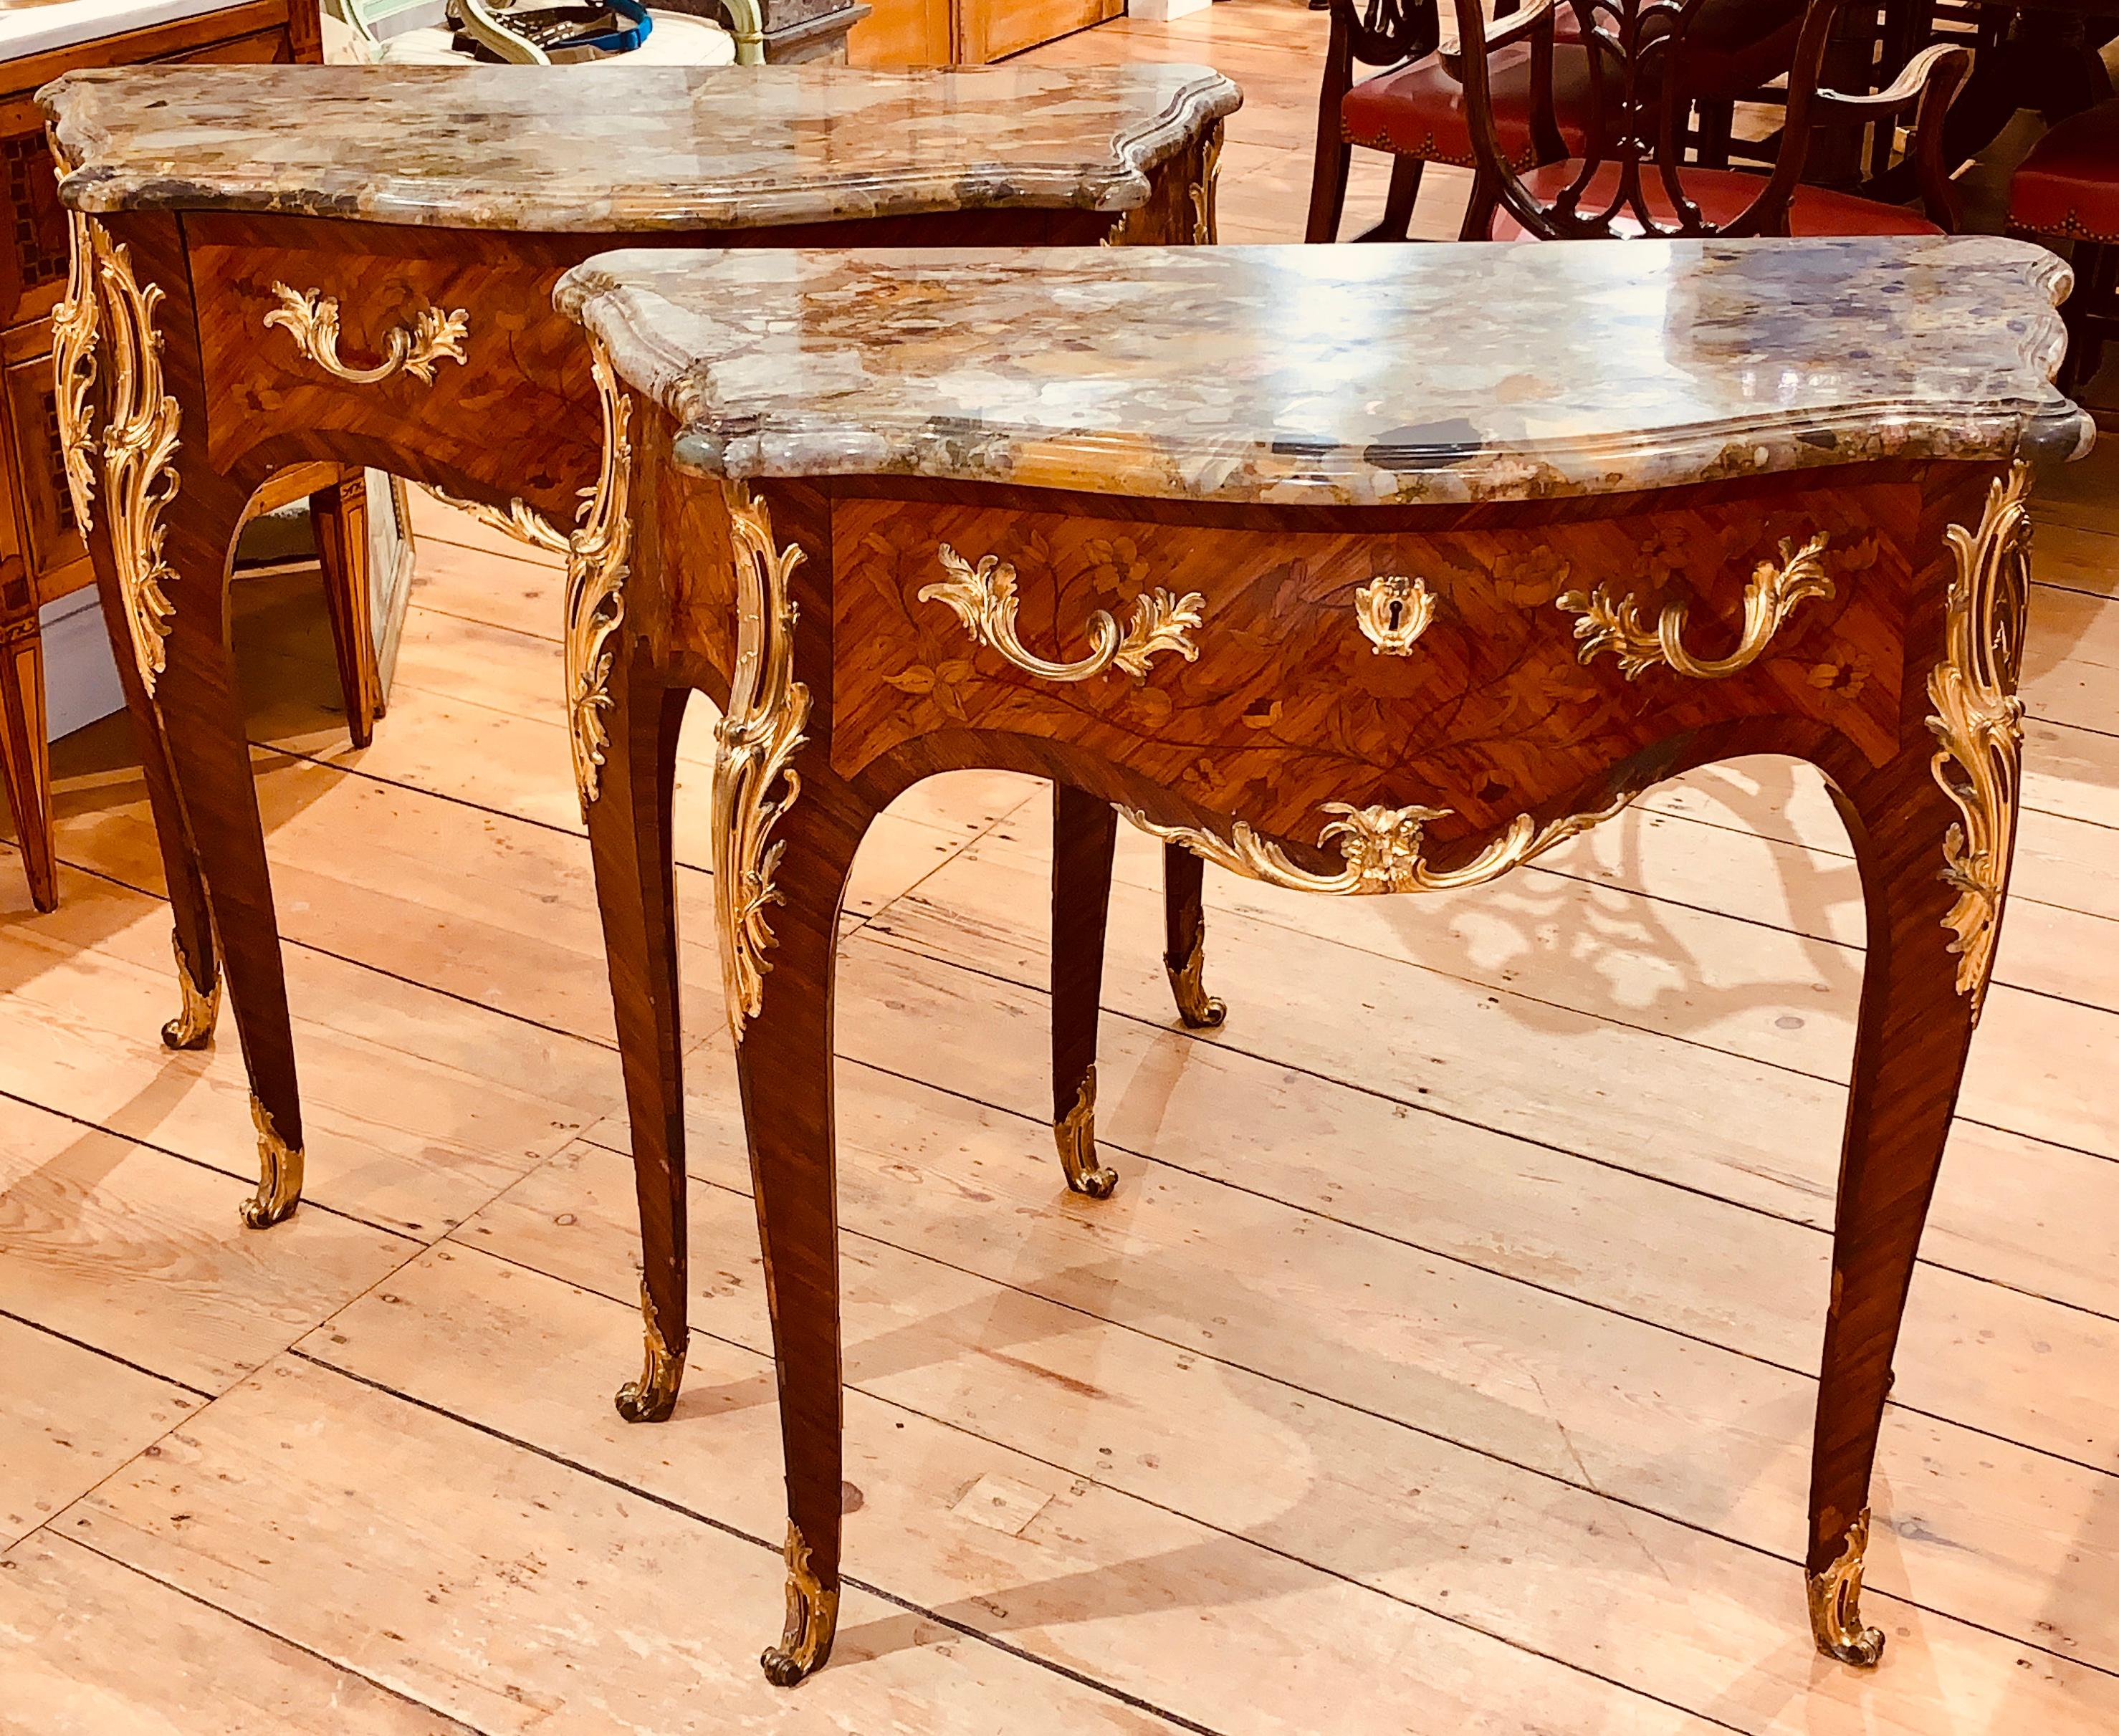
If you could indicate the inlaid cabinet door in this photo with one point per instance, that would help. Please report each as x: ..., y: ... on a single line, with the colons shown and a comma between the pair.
x: 53, y: 539
x: 33, y: 264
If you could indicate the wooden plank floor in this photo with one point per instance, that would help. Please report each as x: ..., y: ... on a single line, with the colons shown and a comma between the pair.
x: 1443, y: 1364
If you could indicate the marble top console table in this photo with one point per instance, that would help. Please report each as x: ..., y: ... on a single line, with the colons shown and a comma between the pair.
x: 374, y: 286
x: 1482, y: 594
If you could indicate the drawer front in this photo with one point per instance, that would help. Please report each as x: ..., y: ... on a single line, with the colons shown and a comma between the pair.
x: 1468, y: 691
x: 265, y: 48
x: 487, y: 377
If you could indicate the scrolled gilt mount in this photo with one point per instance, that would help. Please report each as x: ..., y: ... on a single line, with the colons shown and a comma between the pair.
x: 1381, y: 849
x: 311, y: 319
x: 1206, y: 229
x: 755, y: 779
x: 653, y: 1396
x: 73, y: 370
x: 596, y: 555
x: 279, y: 1172
x: 1978, y: 721
x: 517, y: 519
x: 1606, y: 623
x: 1835, y: 1604
x: 1393, y: 611
x: 140, y: 442
x: 812, y: 1618
x: 984, y: 599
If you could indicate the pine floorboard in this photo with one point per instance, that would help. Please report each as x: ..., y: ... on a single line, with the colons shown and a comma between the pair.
x: 1444, y: 1363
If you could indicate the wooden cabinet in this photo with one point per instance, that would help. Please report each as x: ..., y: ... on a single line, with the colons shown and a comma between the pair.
x: 986, y: 29
x: 903, y: 33
x: 935, y: 33
x: 42, y: 556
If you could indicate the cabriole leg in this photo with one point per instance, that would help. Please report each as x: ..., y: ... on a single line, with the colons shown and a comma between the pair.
x: 192, y: 937
x: 1934, y: 833
x: 94, y: 369
x: 630, y: 841
x: 202, y: 717
x: 1084, y: 832
x: 784, y: 1064
x: 167, y: 586
x: 1910, y: 1047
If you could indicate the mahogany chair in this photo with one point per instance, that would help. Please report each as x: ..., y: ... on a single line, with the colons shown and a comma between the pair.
x: 1392, y: 34
x: 1628, y: 176
x: 1416, y: 109
x: 2065, y: 193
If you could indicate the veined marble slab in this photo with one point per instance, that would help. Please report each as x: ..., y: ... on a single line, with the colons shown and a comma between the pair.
x: 610, y: 146
x: 31, y: 27
x: 1352, y: 374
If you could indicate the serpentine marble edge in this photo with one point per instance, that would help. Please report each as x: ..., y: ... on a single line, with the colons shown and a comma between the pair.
x: 612, y: 147
x: 1363, y: 375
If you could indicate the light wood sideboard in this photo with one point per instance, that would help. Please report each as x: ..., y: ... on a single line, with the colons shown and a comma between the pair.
x: 934, y: 33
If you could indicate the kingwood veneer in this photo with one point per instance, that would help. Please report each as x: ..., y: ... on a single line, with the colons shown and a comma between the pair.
x: 1224, y: 537
x: 374, y: 284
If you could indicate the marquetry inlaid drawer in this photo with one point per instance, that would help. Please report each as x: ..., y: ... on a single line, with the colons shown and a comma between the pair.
x: 442, y: 341
x: 1468, y: 688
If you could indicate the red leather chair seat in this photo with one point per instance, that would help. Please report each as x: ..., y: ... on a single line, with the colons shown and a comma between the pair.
x: 1722, y: 195
x: 1418, y: 111
x: 2069, y: 184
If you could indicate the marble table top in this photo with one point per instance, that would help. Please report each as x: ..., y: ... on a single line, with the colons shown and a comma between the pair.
x: 610, y: 146
x: 1354, y: 375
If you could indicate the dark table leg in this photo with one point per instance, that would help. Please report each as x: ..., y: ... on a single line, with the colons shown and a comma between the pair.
x: 197, y: 952
x: 1930, y: 940
x: 1185, y: 938
x: 784, y: 1065
x: 1084, y: 832
x: 84, y: 344
x: 630, y: 842
x: 170, y: 574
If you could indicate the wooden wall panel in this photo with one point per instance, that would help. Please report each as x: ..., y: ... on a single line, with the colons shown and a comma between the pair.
x: 903, y: 33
